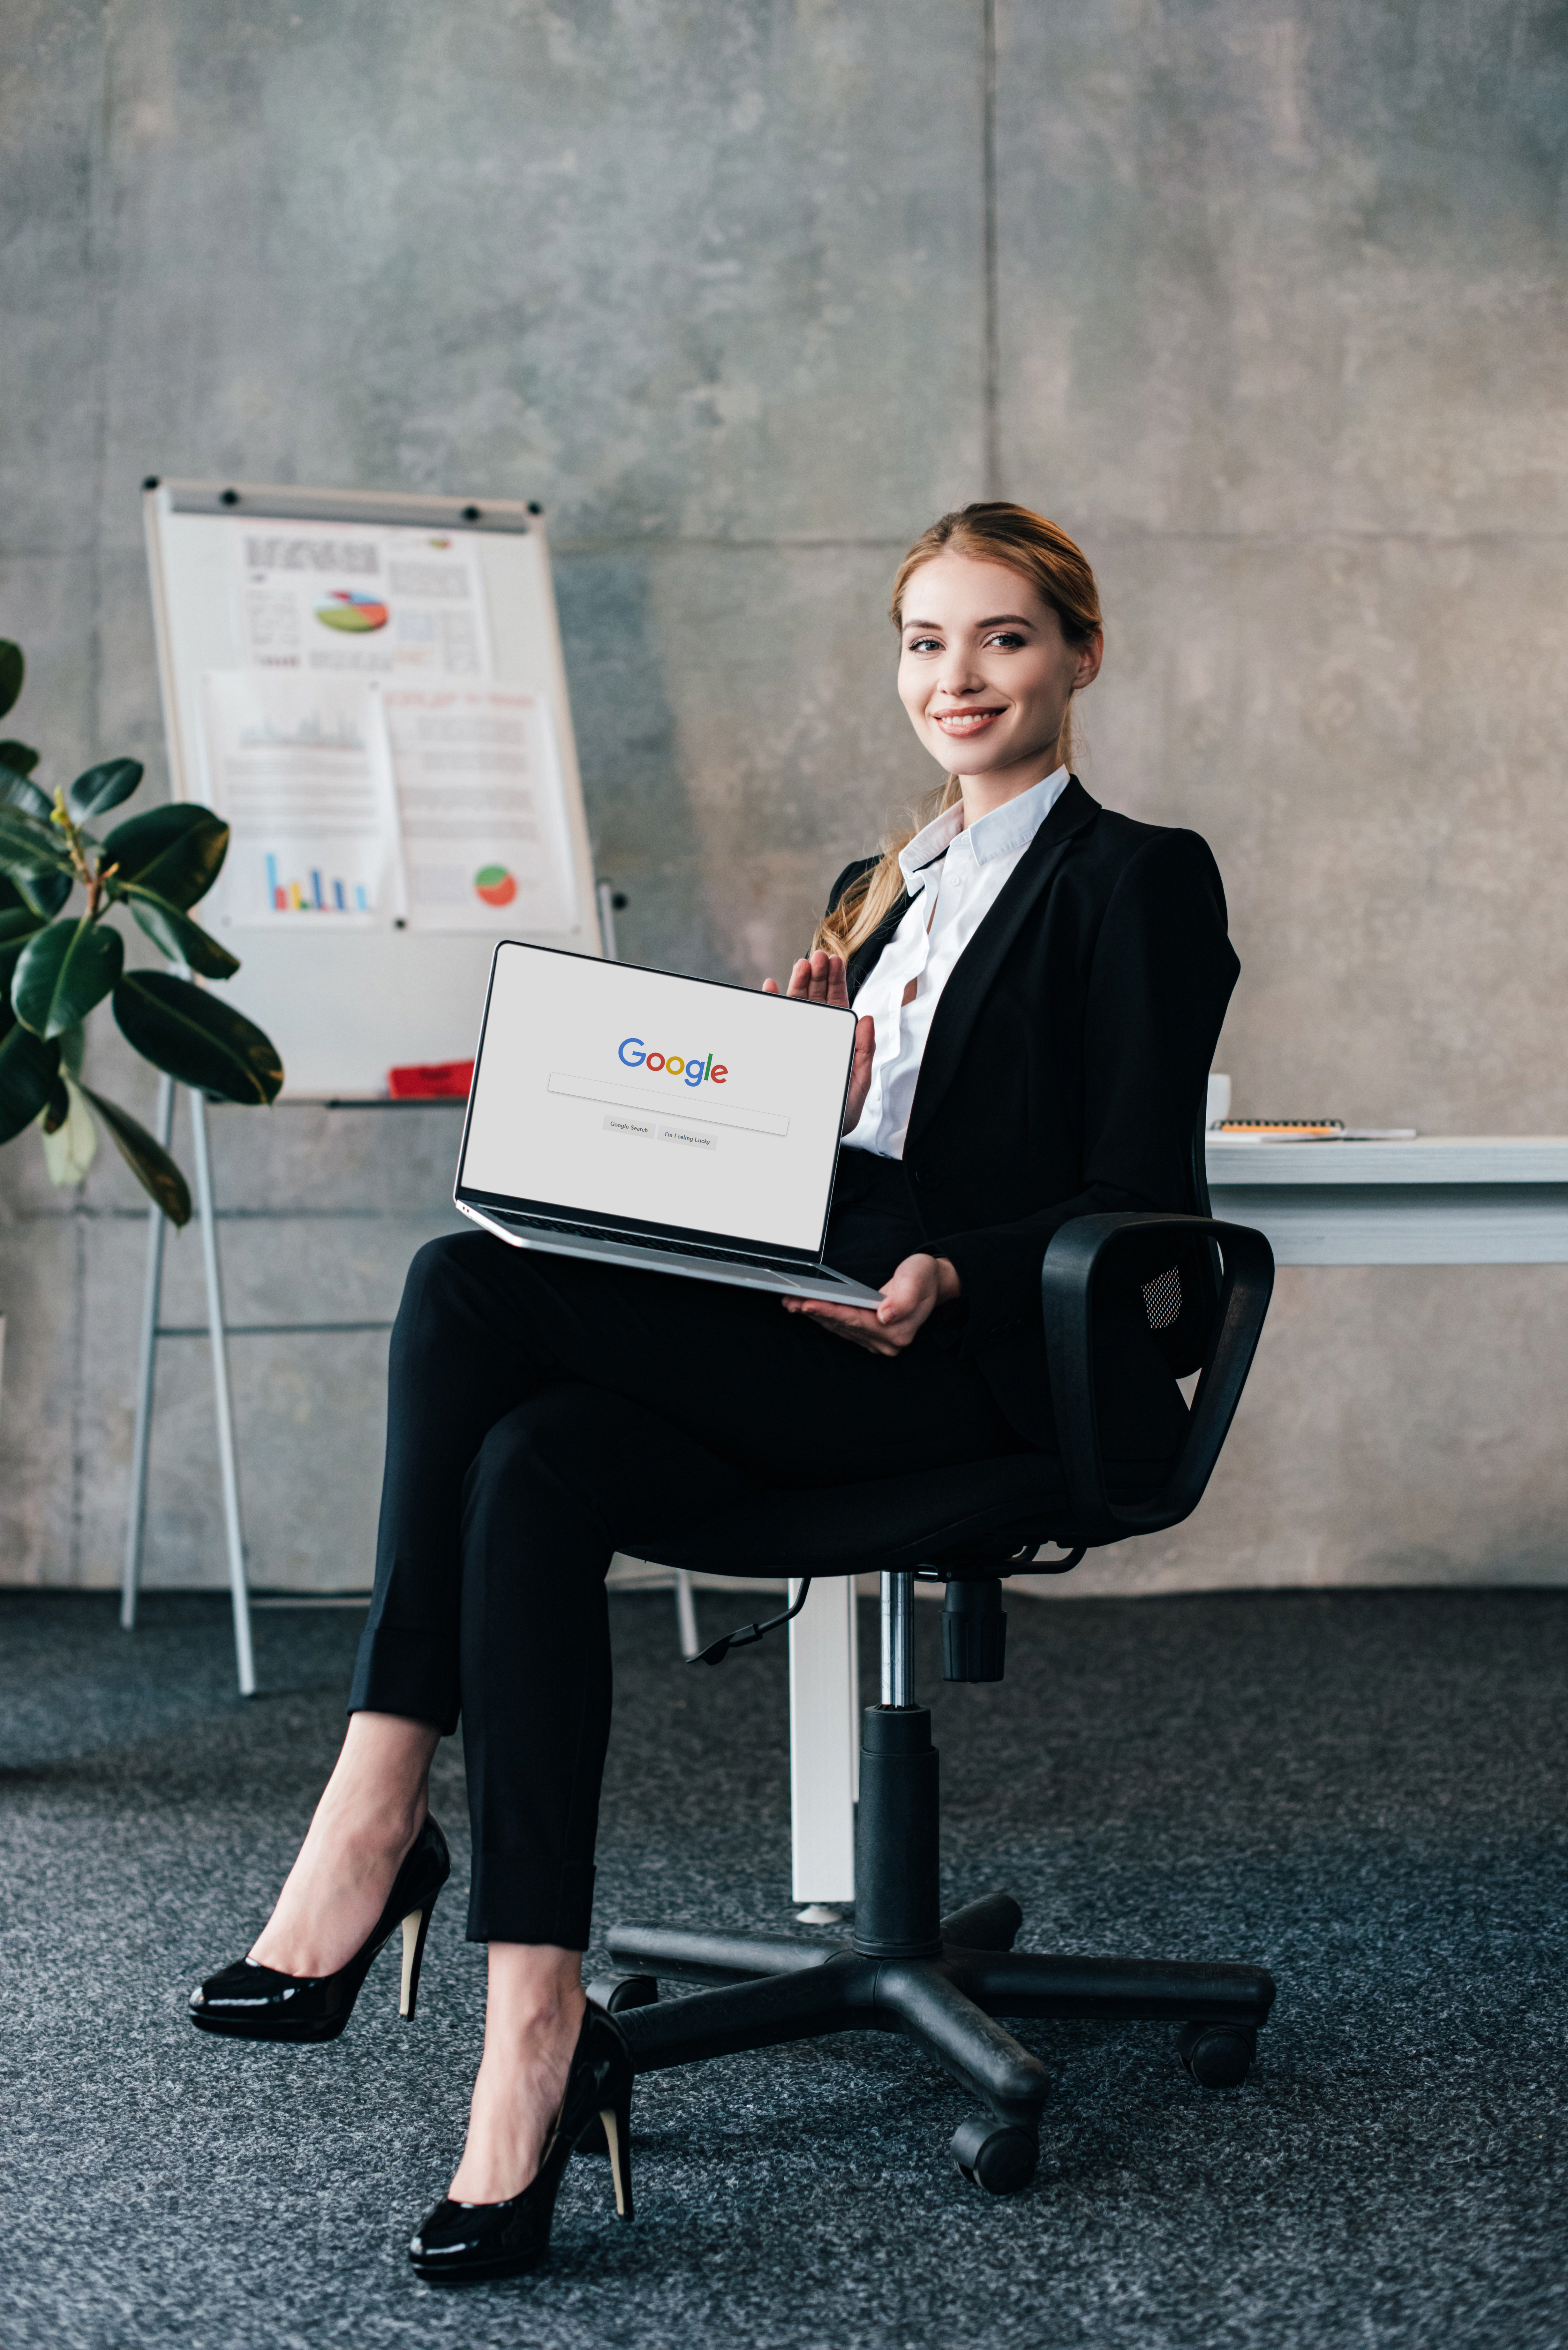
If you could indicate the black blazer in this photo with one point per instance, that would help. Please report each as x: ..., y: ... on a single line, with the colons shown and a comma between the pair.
x: 1063, y: 1077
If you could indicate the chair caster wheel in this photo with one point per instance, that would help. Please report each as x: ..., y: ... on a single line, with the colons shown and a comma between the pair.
x: 995, y: 2155
x: 1218, y: 2056
x: 616, y: 1994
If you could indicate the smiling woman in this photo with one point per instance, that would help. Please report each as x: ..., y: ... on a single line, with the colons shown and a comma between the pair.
x: 1038, y: 985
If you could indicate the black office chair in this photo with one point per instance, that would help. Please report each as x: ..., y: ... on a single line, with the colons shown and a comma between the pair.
x: 906, y: 1969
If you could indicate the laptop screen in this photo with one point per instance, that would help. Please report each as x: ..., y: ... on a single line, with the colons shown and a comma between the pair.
x: 678, y: 1106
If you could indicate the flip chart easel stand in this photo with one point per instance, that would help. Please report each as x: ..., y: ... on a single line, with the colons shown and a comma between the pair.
x: 217, y: 1330
x: 217, y: 1335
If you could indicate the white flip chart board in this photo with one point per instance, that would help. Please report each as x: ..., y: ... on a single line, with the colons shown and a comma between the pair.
x: 370, y: 689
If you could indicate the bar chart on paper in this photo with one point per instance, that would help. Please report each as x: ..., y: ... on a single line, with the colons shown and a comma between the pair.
x: 316, y: 894
x: 299, y: 771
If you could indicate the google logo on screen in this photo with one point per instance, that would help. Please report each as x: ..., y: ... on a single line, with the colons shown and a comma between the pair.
x: 692, y: 1069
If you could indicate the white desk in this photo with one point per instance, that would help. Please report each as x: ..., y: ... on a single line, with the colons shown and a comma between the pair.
x: 1457, y: 1199
x: 1439, y: 1200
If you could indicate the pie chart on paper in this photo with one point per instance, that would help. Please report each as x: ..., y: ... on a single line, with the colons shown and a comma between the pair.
x: 495, y: 885
x: 357, y: 615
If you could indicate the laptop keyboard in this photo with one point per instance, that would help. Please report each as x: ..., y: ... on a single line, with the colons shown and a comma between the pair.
x: 660, y: 1248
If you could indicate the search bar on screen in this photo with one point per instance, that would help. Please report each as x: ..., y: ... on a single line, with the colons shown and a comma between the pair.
x: 678, y: 1099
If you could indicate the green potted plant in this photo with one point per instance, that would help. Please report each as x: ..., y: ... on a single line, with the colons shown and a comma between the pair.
x: 59, y: 961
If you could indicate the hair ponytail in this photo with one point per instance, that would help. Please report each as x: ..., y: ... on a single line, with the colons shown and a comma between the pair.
x: 1058, y: 570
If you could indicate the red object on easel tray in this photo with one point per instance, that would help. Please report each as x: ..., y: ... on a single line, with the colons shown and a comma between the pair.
x: 432, y: 1081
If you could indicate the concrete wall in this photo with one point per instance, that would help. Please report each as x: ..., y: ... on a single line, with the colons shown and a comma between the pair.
x: 1275, y: 320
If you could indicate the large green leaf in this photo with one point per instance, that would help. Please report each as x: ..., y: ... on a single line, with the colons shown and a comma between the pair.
x: 35, y: 866
x: 176, y: 851
x: 17, y: 791
x: 21, y: 757
x: 63, y: 973
x: 46, y: 893
x: 147, y: 1160
x: 27, y: 845
x: 35, y: 900
x: 30, y: 1069
x: 13, y: 668
x: 196, y: 1038
x: 18, y: 925
x: 103, y: 787
x: 183, y: 940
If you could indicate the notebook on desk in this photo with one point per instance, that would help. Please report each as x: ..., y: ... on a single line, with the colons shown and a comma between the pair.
x: 1306, y: 1129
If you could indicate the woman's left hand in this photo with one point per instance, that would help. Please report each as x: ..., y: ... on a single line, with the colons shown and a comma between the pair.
x: 822, y: 978
x: 919, y: 1285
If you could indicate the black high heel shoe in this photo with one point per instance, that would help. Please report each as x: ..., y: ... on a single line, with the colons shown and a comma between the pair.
x: 461, y: 2242
x: 251, y: 2002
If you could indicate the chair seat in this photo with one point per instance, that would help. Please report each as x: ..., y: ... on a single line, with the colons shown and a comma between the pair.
x: 972, y: 1514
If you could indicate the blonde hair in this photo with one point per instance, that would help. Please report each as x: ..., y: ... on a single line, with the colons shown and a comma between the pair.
x: 1058, y: 570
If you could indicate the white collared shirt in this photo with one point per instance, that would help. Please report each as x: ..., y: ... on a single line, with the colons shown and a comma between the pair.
x: 954, y: 876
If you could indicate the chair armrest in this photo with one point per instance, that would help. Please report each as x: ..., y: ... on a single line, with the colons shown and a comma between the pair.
x: 1066, y: 1293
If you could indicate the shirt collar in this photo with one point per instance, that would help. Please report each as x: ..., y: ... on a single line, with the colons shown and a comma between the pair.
x: 1005, y: 832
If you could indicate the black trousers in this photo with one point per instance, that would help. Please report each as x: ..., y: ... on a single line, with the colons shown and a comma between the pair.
x: 546, y: 1411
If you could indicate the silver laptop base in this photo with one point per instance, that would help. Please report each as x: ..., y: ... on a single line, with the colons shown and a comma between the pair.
x: 811, y: 1281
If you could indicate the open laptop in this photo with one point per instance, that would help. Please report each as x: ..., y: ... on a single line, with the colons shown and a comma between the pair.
x: 675, y: 1124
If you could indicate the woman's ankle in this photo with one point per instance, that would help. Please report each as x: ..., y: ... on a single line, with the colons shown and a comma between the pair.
x: 533, y: 1992
x: 370, y: 1822
x: 525, y: 2029
x: 380, y: 1781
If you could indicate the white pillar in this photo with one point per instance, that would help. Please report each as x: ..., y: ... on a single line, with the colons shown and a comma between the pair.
x: 824, y: 1707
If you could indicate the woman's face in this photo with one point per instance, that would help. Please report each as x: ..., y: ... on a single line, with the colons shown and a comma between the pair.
x: 985, y: 672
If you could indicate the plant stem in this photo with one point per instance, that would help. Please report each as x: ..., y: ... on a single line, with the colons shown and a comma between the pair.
x: 92, y: 878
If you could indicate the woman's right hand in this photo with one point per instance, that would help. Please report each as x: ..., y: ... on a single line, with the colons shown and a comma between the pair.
x: 820, y: 978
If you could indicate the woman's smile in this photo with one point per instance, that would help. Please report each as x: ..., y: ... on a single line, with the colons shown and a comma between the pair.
x: 967, y: 722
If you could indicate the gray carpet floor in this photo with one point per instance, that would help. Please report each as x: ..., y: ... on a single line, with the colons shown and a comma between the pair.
x: 1364, y: 1791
